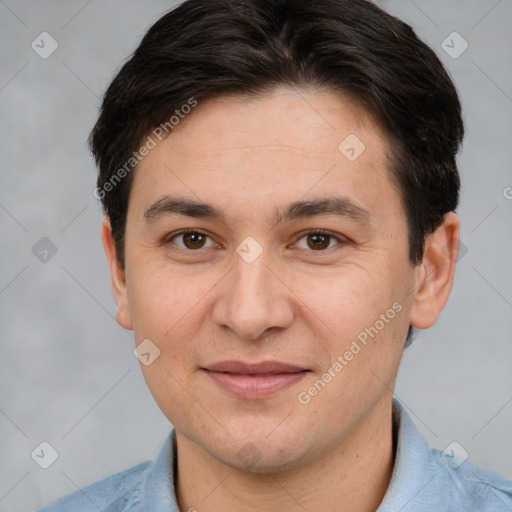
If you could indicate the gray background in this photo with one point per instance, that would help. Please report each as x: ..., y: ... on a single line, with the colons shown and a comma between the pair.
x: 68, y: 375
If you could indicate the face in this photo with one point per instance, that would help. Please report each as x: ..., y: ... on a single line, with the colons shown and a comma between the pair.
x: 281, y: 314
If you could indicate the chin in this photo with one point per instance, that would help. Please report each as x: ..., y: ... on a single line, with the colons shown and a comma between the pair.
x: 262, y: 454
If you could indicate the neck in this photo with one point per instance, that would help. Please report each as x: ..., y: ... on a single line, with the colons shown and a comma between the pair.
x: 353, y: 476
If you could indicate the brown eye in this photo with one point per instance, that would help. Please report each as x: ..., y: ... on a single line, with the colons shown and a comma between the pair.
x: 318, y: 241
x: 191, y: 240
x: 194, y: 240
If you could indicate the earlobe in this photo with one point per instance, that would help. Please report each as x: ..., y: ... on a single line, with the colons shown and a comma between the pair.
x: 117, y: 276
x: 436, y: 273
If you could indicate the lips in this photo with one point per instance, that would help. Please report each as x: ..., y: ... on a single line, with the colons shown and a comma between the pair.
x: 266, y: 367
x: 254, y: 380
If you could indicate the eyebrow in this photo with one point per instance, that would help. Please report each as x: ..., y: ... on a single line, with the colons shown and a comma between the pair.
x: 340, y: 206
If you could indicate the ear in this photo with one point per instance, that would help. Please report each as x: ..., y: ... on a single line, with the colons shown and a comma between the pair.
x: 436, y: 273
x: 117, y: 276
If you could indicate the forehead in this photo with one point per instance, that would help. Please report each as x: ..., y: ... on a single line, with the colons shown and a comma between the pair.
x: 306, y: 121
x: 280, y: 146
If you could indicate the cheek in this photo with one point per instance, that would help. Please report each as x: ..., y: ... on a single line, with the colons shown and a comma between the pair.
x: 345, y: 299
x: 170, y: 308
x: 369, y: 321
x: 165, y: 309
x: 366, y: 315
x: 161, y: 298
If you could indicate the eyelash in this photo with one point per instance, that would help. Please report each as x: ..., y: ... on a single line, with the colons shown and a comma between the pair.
x: 301, y: 235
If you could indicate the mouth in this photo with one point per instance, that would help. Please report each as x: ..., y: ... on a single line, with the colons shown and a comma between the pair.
x: 254, y: 381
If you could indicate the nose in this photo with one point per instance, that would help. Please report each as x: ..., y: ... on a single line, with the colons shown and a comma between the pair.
x: 254, y: 299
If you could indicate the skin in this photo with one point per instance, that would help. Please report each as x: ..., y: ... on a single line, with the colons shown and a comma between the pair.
x: 201, y: 303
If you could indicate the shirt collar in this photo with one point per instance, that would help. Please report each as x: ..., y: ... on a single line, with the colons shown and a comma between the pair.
x: 158, y: 492
x: 418, y: 479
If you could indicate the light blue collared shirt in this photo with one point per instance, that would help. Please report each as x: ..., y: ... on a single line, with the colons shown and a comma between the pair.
x: 423, y: 480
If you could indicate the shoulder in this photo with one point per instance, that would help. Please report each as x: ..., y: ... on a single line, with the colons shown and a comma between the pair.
x: 426, y: 479
x: 475, y: 488
x: 115, y: 492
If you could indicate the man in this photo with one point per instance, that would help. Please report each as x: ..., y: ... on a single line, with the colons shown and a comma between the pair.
x: 279, y: 184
